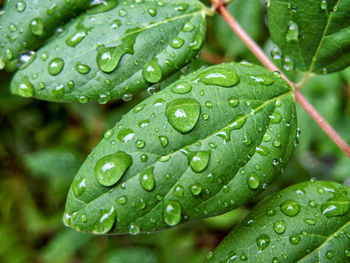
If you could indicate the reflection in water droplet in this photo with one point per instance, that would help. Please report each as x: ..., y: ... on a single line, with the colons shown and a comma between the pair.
x: 219, y: 77
x: 263, y: 241
x: 183, y: 114
x: 172, y: 213
x: 105, y: 222
x: 110, y: 169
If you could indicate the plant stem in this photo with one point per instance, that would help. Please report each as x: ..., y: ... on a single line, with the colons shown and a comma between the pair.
x: 264, y: 59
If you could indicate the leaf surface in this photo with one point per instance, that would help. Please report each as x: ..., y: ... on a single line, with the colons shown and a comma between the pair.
x: 200, y: 147
x: 106, y: 55
x: 307, y: 222
x: 25, y: 25
x: 315, y: 34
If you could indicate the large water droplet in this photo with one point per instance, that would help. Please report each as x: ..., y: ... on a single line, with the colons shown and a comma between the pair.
x: 147, y: 179
x: 279, y: 227
x: 181, y: 88
x: 152, y: 71
x: 55, y: 66
x: 110, y: 169
x: 290, y: 207
x: 37, y: 27
x: 172, y: 213
x: 263, y: 241
x: 183, y: 114
x: 199, y: 161
x: 125, y: 135
x: 293, y: 32
x: 219, y: 77
x: 79, y: 186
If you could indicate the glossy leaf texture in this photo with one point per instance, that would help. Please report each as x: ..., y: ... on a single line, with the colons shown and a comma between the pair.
x: 315, y: 34
x: 200, y: 147
x: 26, y: 24
x: 111, y: 54
x: 307, y: 222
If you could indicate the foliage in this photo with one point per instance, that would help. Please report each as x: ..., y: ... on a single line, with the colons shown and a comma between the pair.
x: 210, y: 139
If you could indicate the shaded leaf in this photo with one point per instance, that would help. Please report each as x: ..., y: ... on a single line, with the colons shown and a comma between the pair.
x: 307, y: 222
x: 315, y: 34
x: 103, y: 56
x: 242, y: 138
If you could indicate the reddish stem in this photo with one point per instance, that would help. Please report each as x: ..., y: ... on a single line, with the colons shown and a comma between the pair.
x: 264, y: 59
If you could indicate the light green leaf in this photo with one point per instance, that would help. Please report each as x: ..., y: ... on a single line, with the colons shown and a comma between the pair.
x: 307, y: 222
x: 108, y: 55
x: 314, y: 34
x: 243, y: 137
x: 25, y: 25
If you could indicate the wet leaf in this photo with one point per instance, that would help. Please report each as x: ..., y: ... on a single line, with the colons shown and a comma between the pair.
x: 201, y: 154
x: 307, y: 222
x: 104, y: 55
x: 314, y: 35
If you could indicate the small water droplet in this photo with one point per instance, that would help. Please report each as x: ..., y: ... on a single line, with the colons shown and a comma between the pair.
x: 323, y: 5
x: 263, y: 241
x: 140, y: 144
x: 21, y: 5
x: 293, y: 32
x: 105, y: 222
x: 233, y: 102
x: 279, y: 227
x: 125, y: 135
x: 196, y: 189
x: 262, y: 79
x: 152, y: 71
x: 179, y: 191
x: 330, y: 254
x: 55, y: 66
x: 172, y: 212
x: 253, y: 181
x: 181, y: 88
x: 294, y: 239
x: 81, y: 68
x: 134, y: 229
x: 177, y: 42
x: 219, y: 77
x: 199, y: 161
x: 290, y: 208
x: 110, y: 169
x: 163, y: 141
x: 37, y: 27
x: 147, y: 179
x: 152, y: 11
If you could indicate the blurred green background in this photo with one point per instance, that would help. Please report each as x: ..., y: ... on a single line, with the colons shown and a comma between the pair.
x: 42, y: 145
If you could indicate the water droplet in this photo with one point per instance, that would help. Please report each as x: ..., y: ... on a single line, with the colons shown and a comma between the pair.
x: 279, y: 227
x: 199, y: 161
x: 110, y: 169
x: 108, y: 134
x: 263, y: 151
x: 140, y: 144
x: 310, y: 221
x: 290, y: 207
x: 276, y: 143
x: 181, y: 88
x: 196, y: 189
x: 347, y: 253
x: 21, y: 5
x: 275, y: 118
x: 263, y: 241
x: 79, y: 186
x: 147, y: 179
x: 293, y: 32
x: 139, y: 108
x: 51, y: 9
x: 152, y: 71
x: 338, y: 205
x: 188, y: 27
x: 25, y: 88
x: 152, y: 11
x: 122, y: 200
x: 76, y: 38
x: 125, y: 135
x: 172, y: 213
x: 37, y: 27
x: 104, y: 98
x: 182, y: 7
x: 262, y: 79
x: 81, y: 68
x: 323, y: 5
x: 177, y: 42
x: 198, y: 42
x: 294, y: 239
x: 58, y: 91
x: 179, y: 191
x: 275, y: 260
x: 163, y: 141
x: 330, y: 254
x: 233, y: 102
x: 122, y: 12
x: 134, y: 229
x: 219, y: 77
x: 144, y: 158
x: 183, y: 114
x: 253, y: 181
x: 105, y: 222
x: 55, y: 66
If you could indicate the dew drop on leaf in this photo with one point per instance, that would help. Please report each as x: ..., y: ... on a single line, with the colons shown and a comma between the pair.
x: 263, y: 241
x: 110, y: 169
x: 179, y: 191
x: 290, y: 208
x: 79, y: 186
x: 152, y: 11
x: 323, y: 5
x: 233, y: 102
x: 134, y: 229
x: 183, y: 114
x: 196, y: 189
x: 262, y: 79
x: 81, y: 68
x: 25, y: 88
x: 152, y: 71
x: 293, y: 32
x: 172, y: 212
x: 177, y: 42
x: 76, y: 38
x: 55, y: 66
x: 125, y: 135
x: 279, y: 227
x: 199, y: 161
x: 147, y: 179
x: 219, y: 77
x: 163, y: 141
x: 105, y: 221
x: 253, y: 181
x: 21, y: 5
x: 295, y: 239
x: 58, y: 91
x: 37, y: 27
x: 181, y: 88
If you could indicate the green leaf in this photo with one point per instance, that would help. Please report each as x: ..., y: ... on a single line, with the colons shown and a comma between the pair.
x: 249, y: 14
x: 25, y: 25
x: 103, y: 56
x: 307, y: 222
x: 242, y: 139
x: 315, y: 34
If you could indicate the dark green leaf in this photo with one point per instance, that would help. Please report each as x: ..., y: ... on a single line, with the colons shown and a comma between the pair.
x: 307, y: 222
x: 25, y: 25
x: 228, y: 143
x: 314, y: 34
x: 103, y: 56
